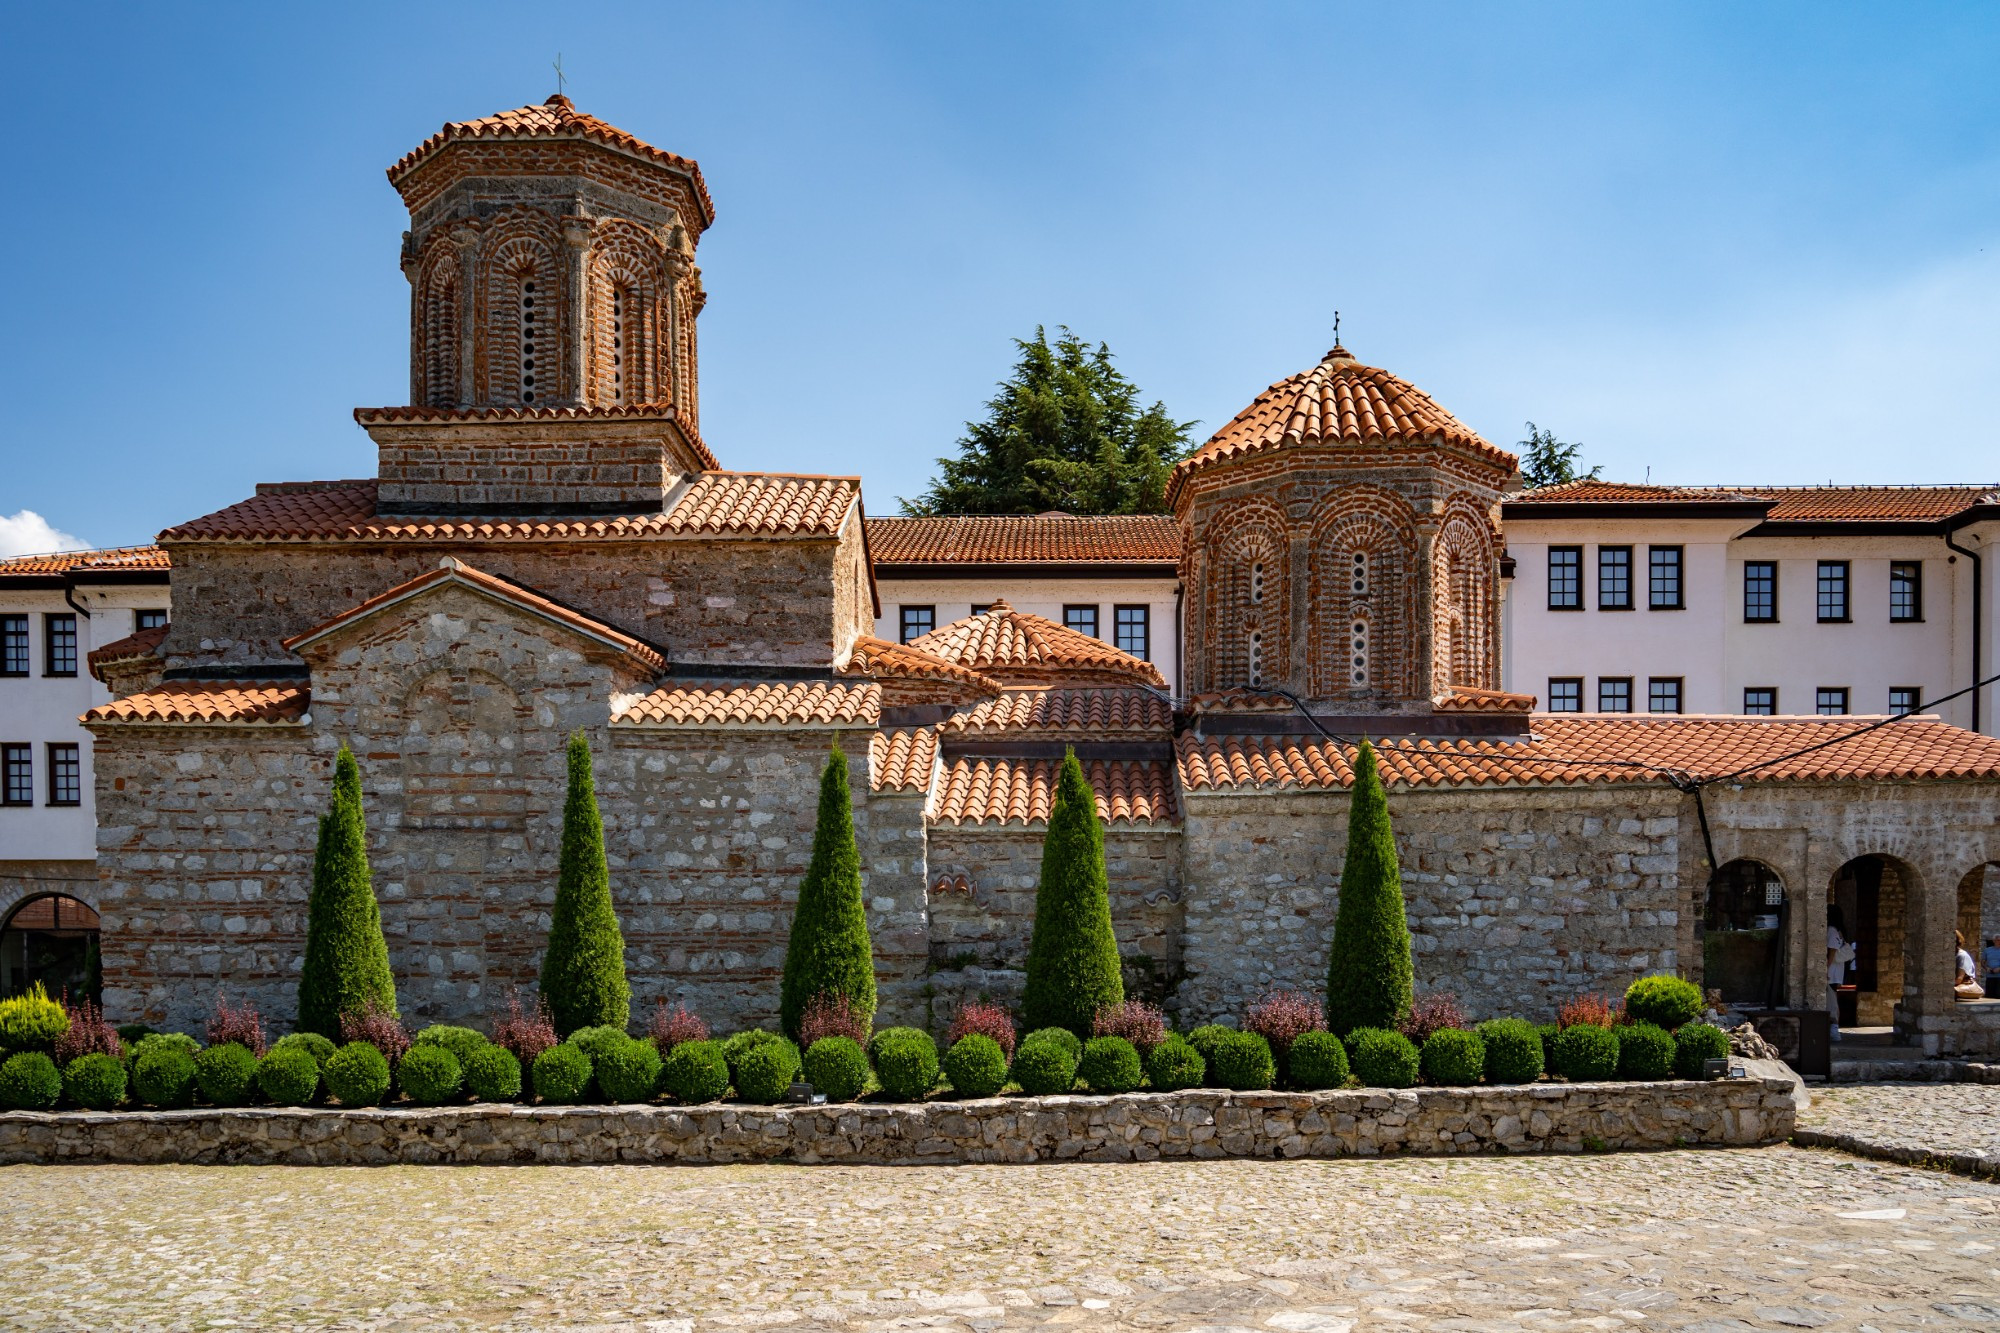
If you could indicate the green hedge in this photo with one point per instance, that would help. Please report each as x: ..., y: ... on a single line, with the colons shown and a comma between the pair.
x: 695, y: 1072
x: 29, y: 1081
x: 766, y: 1071
x: 906, y: 1065
x: 430, y: 1074
x: 493, y: 1074
x: 1663, y: 1001
x: 97, y: 1082
x: 1452, y: 1058
x: 1382, y: 1058
x: 163, y: 1074
x: 1583, y: 1053
x: 1043, y: 1068
x: 1695, y: 1044
x: 1645, y: 1051
x: 976, y: 1066
x: 1175, y: 1064
x: 1317, y: 1060
x: 288, y: 1075
x: 1243, y: 1063
x: 357, y: 1074
x: 1110, y: 1065
x: 627, y: 1071
x: 461, y: 1042
x: 838, y: 1067
x: 562, y: 1074
x: 1513, y: 1050
x: 226, y: 1074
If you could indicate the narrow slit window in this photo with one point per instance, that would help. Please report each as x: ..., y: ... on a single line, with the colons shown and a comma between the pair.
x: 1257, y: 584
x: 1256, y: 657
x: 1358, y: 643
x: 528, y: 340
x: 1360, y: 574
x: 617, y: 344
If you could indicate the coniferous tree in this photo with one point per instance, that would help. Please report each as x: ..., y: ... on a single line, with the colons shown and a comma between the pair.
x: 1547, y: 461
x: 583, y: 972
x: 1369, y: 974
x: 346, y: 968
x: 829, y: 951
x: 1073, y: 967
x: 1066, y: 431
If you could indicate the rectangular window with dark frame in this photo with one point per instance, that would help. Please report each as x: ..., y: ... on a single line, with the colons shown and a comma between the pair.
x: 149, y: 620
x: 916, y: 621
x: 1663, y: 694
x: 1831, y: 701
x: 17, y: 782
x: 1833, y: 591
x: 1760, y: 591
x: 65, y: 774
x: 1082, y: 619
x: 1565, y: 694
x: 1565, y: 578
x: 1904, y: 699
x: 59, y: 640
x: 1760, y: 700
x: 1614, y: 578
x: 1132, y: 624
x: 1906, y: 590
x: 979, y: 608
x: 13, y: 645
x: 1614, y: 694
x: 1663, y: 567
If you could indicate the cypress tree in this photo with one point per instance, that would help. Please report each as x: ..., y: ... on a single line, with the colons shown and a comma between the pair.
x: 1073, y: 968
x: 346, y: 967
x: 829, y: 950
x: 583, y: 972
x: 1369, y: 975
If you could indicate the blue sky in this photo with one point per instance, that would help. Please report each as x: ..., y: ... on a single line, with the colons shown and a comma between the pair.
x: 1716, y: 242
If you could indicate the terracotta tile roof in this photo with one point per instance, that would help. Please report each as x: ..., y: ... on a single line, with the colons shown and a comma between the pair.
x: 1101, y: 713
x: 782, y: 703
x: 131, y: 648
x: 109, y: 557
x: 1593, y: 490
x: 902, y: 760
x: 1567, y: 750
x: 879, y: 659
x: 1022, y: 791
x: 1016, y: 647
x: 453, y: 571
x: 754, y: 504
x: 267, y: 703
x: 418, y: 412
x: 1338, y: 401
x: 556, y: 118
x: 1783, y: 504
x: 1042, y: 539
x: 1467, y: 699
x: 1239, y: 699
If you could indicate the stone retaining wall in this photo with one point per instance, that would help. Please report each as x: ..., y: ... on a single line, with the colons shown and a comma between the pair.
x: 1204, y: 1123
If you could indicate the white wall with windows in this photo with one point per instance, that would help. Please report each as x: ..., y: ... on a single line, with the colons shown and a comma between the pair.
x: 1134, y: 614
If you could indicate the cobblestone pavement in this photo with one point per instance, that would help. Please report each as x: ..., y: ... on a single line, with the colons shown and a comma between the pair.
x: 1934, y: 1119
x: 1770, y: 1238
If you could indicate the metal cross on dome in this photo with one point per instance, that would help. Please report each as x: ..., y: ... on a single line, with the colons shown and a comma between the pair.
x: 560, y: 76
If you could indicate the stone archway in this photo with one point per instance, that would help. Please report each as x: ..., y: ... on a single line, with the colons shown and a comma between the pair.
x: 1979, y: 917
x: 1744, y: 923
x: 51, y: 938
x: 1878, y: 899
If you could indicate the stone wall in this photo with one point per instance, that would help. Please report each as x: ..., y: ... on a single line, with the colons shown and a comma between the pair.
x: 1136, y: 1127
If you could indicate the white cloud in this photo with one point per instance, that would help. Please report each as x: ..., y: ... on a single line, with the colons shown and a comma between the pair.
x: 28, y: 533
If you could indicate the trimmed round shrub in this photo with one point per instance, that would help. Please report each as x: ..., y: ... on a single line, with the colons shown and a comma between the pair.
x: 1381, y: 1058
x: 1043, y: 1068
x: 226, y: 1074
x: 734, y: 1048
x: 1585, y: 1053
x: 1513, y: 1050
x: 161, y: 1041
x: 1063, y: 1037
x: 461, y: 1042
x: 628, y: 1071
x: 766, y: 1071
x: 288, y: 1075
x: 97, y: 1082
x: 29, y: 1081
x: 1203, y: 1039
x: 838, y: 1067
x: 562, y: 1073
x: 695, y: 1071
x: 1243, y: 1063
x: 492, y: 1074
x: 318, y: 1047
x: 889, y: 1034
x: 32, y: 1021
x: 1452, y: 1058
x: 1645, y: 1051
x: 429, y: 1075
x: 1174, y: 1064
x: 357, y: 1074
x: 163, y: 1076
x: 595, y: 1041
x: 1695, y: 1044
x: 1110, y: 1065
x: 976, y: 1066
x: 1664, y: 1001
x: 907, y: 1064
x: 1317, y: 1061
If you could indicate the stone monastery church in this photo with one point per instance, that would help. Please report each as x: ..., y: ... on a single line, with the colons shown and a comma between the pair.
x: 550, y: 544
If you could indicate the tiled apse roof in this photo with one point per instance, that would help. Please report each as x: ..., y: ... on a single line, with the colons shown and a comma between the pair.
x: 1003, y: 642
x: 760, y: 703
x: 1101, y: 712
x: 902, y: 760
x: 1022, y: 791
x: 207, y: 701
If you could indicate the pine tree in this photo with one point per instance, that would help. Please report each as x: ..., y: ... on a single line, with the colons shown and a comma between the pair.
x: 583, y: 972
x: 829, y: 951
x: 1369, y: 973
x: 1547, y: 461
x: 1073, y: 968
x: 346, y: 969
x: 1064, y: 432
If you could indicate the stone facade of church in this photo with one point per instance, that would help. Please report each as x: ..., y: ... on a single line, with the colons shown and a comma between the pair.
x: 549, y: 546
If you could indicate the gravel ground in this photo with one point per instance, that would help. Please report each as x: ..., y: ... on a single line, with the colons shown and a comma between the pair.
x: 1769, y: 1238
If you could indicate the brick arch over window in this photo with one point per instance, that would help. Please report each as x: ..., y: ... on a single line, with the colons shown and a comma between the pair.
x: 1465, y: 567
x: 440, y: 327
x: 522, y: 287
x: 1364, y: 574
x: 625, y: 288
x: 1245, y: 599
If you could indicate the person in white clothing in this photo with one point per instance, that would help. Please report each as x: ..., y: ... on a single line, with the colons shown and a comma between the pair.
x: 1839, y: 953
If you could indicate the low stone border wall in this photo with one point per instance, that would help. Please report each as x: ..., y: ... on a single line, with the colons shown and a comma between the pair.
x: 1204, y: 1123
x: 1983, y: 1165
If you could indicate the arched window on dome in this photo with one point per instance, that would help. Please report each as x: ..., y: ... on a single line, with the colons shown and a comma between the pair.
x: 441, y: 333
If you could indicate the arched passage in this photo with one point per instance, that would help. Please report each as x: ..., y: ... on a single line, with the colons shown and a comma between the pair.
x: 51, y: 938
x: 1743, y: 928
x: 1876, y: 898
x: 1979, y: 920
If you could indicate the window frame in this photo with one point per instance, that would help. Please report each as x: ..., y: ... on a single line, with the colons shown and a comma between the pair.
x: 15, y: 631
x: 1573, y: 684
x: 140, y: 614
x: 1575, y: 571
x: 1846, y: 568
x: 1846, y: 694
x: 1916, y: 693
x: 1769, y: 568
x: 1075, y: 608
x: 1916, y: 592
x: 50, y: 633
x: 1603, y: 681
x: 903, y: 614
x: 1770, y: 711
x: 17, y: 759
x: 1602, y: 552
x: 52, y: 752
x: 1653, y: 688
x: 1144, y: 614
x: 1653, y: 602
